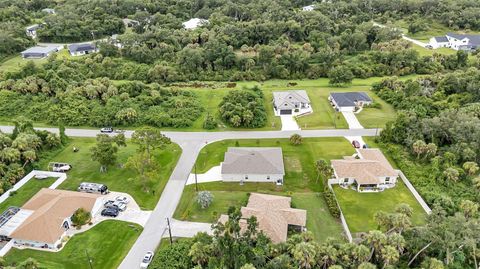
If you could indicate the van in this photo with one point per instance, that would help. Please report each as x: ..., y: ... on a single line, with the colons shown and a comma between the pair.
x: 93, y: 188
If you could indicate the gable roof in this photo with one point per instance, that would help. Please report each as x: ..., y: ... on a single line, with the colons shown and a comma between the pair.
x: 473, y: 39
x: 253, y: 161
x: 273, y: 214
x: 82, y: 47
x: 349, y: 98
x: 288, y: 99
x: 441, y: 39
x: 50, y: 209
x: 366, y: 170
x: 40, y: 50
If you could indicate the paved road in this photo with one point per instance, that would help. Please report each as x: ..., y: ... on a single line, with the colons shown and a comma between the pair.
x: 191, y: 144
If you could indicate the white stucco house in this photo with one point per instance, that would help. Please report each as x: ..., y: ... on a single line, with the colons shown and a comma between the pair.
x: 455, y: 41
x: 294, y: 102
x: 82, y: 49
x: 308, y: 8
x: 194, y: 23
x: 253, y: 164
x: 349, y: 101
x: 31, y: 30
x: 367, y: 171
x: 42, y: 222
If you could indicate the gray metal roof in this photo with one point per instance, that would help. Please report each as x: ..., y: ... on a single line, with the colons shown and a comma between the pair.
x: 473, y: 39
x: 81, y: 47
x: 287, y: 99
x: 441, y: 39
x: 253, y: 160
x: 39, y: 49
x: 349, y: 98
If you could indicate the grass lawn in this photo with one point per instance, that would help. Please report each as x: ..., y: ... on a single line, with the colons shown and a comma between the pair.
x: 107, y: 244
x: 300, y: 182
x: 359, y: 208
x: 116, y: 178
x: 16, y: 62
x: 26, y: 192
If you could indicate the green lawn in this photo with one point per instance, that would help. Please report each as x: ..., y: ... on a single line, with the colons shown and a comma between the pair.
x: 107, y: 244
x: 26, y: 192
x: 16, y: 62
x: 116, y: 178
x: 359, y: 208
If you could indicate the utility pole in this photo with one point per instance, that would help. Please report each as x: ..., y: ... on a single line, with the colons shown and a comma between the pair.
x: 89, y: 260
x: 169, y: 231
x: 196, y: 183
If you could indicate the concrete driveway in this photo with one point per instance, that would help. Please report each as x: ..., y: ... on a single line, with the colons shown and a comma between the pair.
x: 357, y: 138
x: 289, y: 123
x: 188, y: 229
x: 214, y: 174
x: 133, y: 213
x: 352, y: 120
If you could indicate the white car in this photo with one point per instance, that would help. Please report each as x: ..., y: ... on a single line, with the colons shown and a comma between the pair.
x: 61, y: 167
x: 120, y: 205
x: 122, y: 199
x: 147, y: 259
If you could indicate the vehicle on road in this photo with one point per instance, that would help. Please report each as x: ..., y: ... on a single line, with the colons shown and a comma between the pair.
x: 93, y: 188
x: 356, y: 144
x: 106, y: 130
x: 110, y: 212
x: 122, y: 199
x: 147, y: 259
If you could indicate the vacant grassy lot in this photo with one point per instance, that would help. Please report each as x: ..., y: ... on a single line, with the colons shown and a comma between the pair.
x: 359, y: 208
x: 117, y: 178
x: 300, y: 182
x: 26, y: 192
x: 107, y: 244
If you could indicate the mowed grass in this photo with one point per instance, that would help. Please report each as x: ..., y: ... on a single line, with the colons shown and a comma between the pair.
x: 359, y: 208
x: 26, y: 192
x: 16, y: 62
x: 107, y: 244
x: 117, y: 178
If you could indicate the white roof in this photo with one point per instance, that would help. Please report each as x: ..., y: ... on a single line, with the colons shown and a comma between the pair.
x: 39, y: 49
x: 194, y: 23
x: 13, y: 223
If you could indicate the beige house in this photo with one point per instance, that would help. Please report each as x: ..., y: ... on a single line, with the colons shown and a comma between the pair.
x: 274, y: 216
x: 253, y: 164
x: 368, y: 171
x: 48, y: 217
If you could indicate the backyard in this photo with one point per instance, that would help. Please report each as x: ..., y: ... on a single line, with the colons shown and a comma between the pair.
x: 117, y: 178
x: 106, y: 244
x: 26, y: 192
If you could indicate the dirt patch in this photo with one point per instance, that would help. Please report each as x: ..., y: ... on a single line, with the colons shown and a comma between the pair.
x: 293, y: 164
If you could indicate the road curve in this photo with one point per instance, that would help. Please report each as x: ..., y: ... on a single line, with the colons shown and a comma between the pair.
x: 191, y: 144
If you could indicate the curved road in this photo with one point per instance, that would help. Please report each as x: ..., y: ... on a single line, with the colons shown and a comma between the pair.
x: 191, y: 144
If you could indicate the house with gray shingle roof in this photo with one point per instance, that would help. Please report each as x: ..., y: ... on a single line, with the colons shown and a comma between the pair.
x: 253, y: 164
x: 292, y: 102
x: 349, y: 101
x: 82, y: 49
x: 456, y: 41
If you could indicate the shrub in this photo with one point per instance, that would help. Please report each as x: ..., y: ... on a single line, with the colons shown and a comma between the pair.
x: 210, y: 122
x: 296, y: 139
x: 204, y: 199
x: 13, y: 193
x: 331, y: 202
x: 81, y: 217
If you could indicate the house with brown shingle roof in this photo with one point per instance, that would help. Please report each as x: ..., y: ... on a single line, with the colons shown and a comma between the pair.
x: 253, y: 164
x: 274, y: 215
x: 49, y: 220
x: 368, y: 171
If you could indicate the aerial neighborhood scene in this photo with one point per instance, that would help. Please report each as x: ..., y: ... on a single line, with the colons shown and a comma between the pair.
x: 242, y: 134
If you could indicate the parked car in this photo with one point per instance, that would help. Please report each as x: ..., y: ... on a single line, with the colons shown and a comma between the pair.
x: 356, y: 144
x: 93, y: 188
x: 106, y: 130
x: 122, y: 199
x: 110, y: 212
x: 429, y: 46
x: 120, y: 205
x: 147, y: 259
x: 60, y: 167
x: 108, y: 203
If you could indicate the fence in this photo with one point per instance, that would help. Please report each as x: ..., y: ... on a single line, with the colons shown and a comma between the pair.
x: 342, y: 218
x: 414, y: 192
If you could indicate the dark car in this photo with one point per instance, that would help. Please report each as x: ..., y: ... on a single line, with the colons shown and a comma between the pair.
x: 106, y: 130
x: 110, y: 212
x: 356, y: 144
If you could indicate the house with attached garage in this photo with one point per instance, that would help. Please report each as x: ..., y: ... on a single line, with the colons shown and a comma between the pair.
x: 468, y: 42
x: 349, y: 101
x: 43, y: 221
x: 253, y: 164
x: 366, y: 171
x: 294, y: 102
x: 82, y: 49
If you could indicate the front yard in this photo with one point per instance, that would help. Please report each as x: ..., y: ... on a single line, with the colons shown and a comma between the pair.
x: 107, y: 244
x: 117, y: 178
x: 359, y: 208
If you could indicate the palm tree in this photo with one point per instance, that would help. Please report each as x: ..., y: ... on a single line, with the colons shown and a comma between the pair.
x: 327, y: 255
x: 389, y: 256
x: 375, y: 239
x: 324, y: 170
x: 471, y: 168
x: 29, y: 156
x: 199, y: 253
x: 10, y: 155
x: 304, y: 254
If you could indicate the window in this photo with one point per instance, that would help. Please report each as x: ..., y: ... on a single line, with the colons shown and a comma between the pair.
x: 345, y: 180
x: 246, y: 177
x: 268, y: 177
x: 387, y: 179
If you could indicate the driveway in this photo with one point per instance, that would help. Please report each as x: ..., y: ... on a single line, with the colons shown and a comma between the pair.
x: 133, y: 213
x: 357, y: 138
x: 214, y: 174
x: 289, y: 123
x: 188, y: 229
x: 352, y: 120
x: 414, y: 41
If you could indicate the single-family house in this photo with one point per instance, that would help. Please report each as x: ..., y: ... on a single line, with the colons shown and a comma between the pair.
x: 349, y: 101
x: 308, y: 8
x: 194, y: 23
x: 39, y: 52
x: 455, y: 41
x: 49, y: 10
x: 253, y: 164
x: 130, y: 23
x: 31, y: 30
x: 291, y: 102
x: 42, y: 222
x: 368, y: 171
x: 439, y: 42
x: 274, y: 216
x: 82, y: 49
